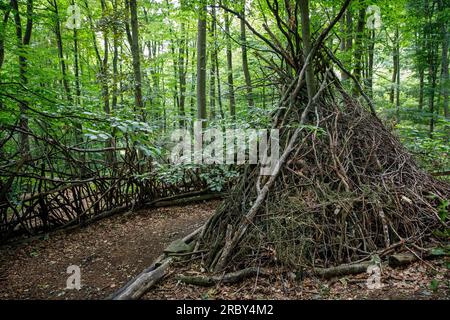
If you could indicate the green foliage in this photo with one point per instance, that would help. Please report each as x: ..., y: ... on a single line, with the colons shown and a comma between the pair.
x: 104, y: 112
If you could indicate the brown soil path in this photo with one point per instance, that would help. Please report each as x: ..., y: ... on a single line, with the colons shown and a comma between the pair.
x: 109, y: 253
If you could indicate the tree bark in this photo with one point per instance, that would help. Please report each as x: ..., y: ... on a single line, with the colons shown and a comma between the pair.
x: 3, y: 34
x: 395, y: 58
x: 358, y: 45
x: 23, y: 40
x: 212, y: 69
x: 371, y: 63
x: 201, y: 65
x: 348, y: 42
x: 444, y: 80
x: 135, y: 52
x: 231, y: 97
x: 306, y: 35
x: 116, y: 39
x: 182, y: 70
x: 421, y: 87
x: 245, y: 68
x: 59, y: 43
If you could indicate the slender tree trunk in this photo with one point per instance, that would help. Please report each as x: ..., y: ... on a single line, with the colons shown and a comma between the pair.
x: 248, y: 79
x: 397, y: 98
x: 306, y: 35
x: 359, y: 46
x: 116, y: 39
x: 104, y: 66
x: 219, y: 87
x: 342, y: 44
x: 3, y: 35
x: 23, y: 41
x: 212, y: 70
x: 421, y: 87
x: 77, y: 99
x: 176, y: 75
x: 182, y: 67
x: 371, y: 62
x: 231, y: 96
x: 444, y: 63
x: 432, y: 85
x: 395, y: 58
x: 348, y: 45
x: 115, y: 84
x: 201, y: 65
x: 432, y: 51
x: 135, y: 52
x: 193, y: 85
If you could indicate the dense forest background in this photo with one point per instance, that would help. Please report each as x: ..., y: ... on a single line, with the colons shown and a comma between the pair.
x: 91, y: 90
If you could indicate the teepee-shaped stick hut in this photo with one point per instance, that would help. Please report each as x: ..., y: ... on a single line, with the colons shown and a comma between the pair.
x: 344, y: 187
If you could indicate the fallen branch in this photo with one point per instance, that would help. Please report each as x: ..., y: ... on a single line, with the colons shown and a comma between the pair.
x: 394, y: 261
x: 143, y: 282
x: 342, y: 270
x: 228, y: 278
x: 138, y: 286
x: 182, y: 201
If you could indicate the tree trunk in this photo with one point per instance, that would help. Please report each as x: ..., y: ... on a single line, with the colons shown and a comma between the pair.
x: 23, y: 40
x: 371, y: 63
x: 348, y: 42
x: 248, y: 79
x: 444, y: 80
x: 176, y: 75
x: 182, y: 69
x: 421, y: 87
x: 212, y: 69
x: 397, y: 99
x: 231, y: 96
x: 78, y: 126
x: 2, y: 35
x: 116, y: 35
x: 61, y: 52
x: 358, y: 46
x: 105, y: 85
x: 193, y: 85
x: 219, y: 86
x: 395, y: 58
x: 306, y: 35
x: 135, y: 52
x: 201, y: 65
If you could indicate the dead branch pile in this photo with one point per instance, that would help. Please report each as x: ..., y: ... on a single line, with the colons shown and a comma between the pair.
x: 346, y: 188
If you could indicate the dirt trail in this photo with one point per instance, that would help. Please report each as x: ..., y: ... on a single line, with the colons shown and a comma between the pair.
x: 109, y: 253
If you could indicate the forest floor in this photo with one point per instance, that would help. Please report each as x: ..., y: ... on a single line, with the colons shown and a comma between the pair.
x: 109, y: 253
x: 420, y: 281
x: 116, y: 249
